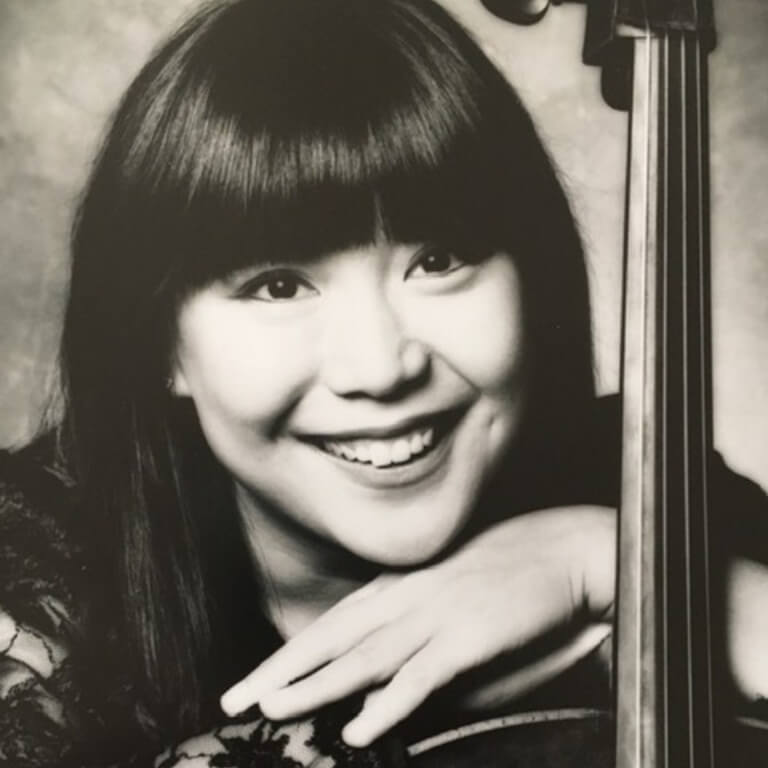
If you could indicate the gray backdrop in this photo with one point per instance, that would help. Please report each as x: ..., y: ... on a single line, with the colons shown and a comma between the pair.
x: 63, y: 64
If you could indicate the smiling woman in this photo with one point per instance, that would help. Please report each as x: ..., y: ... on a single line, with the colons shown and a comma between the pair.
x: 370, y: 382
x: 328, y: 412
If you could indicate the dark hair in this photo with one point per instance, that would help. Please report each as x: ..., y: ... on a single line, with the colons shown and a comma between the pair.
x: 292, y: 128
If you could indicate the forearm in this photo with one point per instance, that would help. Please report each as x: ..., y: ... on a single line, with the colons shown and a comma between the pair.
x: 747, y: 616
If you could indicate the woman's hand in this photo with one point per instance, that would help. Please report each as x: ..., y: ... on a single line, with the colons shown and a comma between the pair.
x: 405, y: 636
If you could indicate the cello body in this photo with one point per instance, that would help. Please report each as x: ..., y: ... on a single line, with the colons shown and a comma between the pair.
x: 562, y: 739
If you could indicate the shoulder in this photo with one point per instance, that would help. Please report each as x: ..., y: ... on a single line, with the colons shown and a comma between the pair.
x: 39, y: 559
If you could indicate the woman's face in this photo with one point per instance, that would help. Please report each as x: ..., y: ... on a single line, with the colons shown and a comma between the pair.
x: 367, y: 395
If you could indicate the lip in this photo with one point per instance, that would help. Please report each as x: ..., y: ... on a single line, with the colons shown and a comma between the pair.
x: 388, y: 432
x: 396, y: 476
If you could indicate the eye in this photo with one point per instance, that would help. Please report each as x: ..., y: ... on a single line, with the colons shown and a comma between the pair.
x: 434, y: 261
x: 276, y: 285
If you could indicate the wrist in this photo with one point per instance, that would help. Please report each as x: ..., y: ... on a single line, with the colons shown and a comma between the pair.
x: 595, y: 571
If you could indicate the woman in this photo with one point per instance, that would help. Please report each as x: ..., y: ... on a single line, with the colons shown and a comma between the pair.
x: 320, y: 346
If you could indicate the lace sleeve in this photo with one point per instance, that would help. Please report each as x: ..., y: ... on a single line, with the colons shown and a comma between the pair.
x: 34, y: 720
x: 39, y: 723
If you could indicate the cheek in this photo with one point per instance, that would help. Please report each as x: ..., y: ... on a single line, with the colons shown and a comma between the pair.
x: 238, y: 372
x: 479, y: 333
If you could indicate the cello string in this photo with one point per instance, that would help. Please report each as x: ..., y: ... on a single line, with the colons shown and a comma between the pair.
x: 704, y: 374
x: 684, y: 304
x: 662, y: 260
x: 651, y: 51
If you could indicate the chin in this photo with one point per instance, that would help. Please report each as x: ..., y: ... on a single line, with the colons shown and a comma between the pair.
x: 410, y: 545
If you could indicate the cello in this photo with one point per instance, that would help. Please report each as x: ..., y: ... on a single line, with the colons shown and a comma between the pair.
x: 669, y: 646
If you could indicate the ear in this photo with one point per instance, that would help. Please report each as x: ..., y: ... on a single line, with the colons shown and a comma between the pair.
x: 177, y: 382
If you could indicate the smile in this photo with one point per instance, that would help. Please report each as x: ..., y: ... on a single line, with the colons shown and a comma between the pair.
x: 390, y: 450
x: 382, y: 453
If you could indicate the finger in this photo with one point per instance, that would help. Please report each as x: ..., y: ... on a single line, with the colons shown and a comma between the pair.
x: 332, y: 635
x: 374, y: 660
x: 373, y: 695
x: 300, y: 655
x: 425, y: 672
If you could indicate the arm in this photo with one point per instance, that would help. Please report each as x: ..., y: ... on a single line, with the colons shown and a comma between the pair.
x: 747, y: 616
x: 514, y: 587
x: 404, y: 637
x: 741, y: 507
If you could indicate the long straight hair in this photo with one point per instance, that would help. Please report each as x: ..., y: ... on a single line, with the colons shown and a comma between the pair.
x: 288, y: 128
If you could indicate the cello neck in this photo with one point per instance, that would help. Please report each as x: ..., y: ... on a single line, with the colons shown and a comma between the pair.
x: 666, y: 707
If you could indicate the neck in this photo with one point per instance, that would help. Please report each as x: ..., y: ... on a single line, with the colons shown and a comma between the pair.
x: 303, y: 574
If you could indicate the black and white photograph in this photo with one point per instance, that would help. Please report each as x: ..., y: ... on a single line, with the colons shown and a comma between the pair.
x: 384, y: 383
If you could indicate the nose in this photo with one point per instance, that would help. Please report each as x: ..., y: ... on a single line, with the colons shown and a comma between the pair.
x: 368, y: 353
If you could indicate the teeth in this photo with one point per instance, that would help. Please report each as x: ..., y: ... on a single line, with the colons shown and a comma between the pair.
x: 382, y: 453
x: 401, y: 451
x: 363, y: 451
x: 348, y: 452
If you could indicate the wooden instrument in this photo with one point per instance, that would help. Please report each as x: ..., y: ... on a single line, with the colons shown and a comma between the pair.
x: 669, y: 645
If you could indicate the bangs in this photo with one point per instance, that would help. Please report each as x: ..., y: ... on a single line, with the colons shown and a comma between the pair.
x: 315, y: 195
x: 258, y: 154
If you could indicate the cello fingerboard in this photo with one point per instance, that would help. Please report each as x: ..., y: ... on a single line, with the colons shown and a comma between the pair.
x: 667, y: 648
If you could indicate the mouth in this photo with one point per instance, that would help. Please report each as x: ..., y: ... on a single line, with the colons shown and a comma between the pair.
x: 391, y: 449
